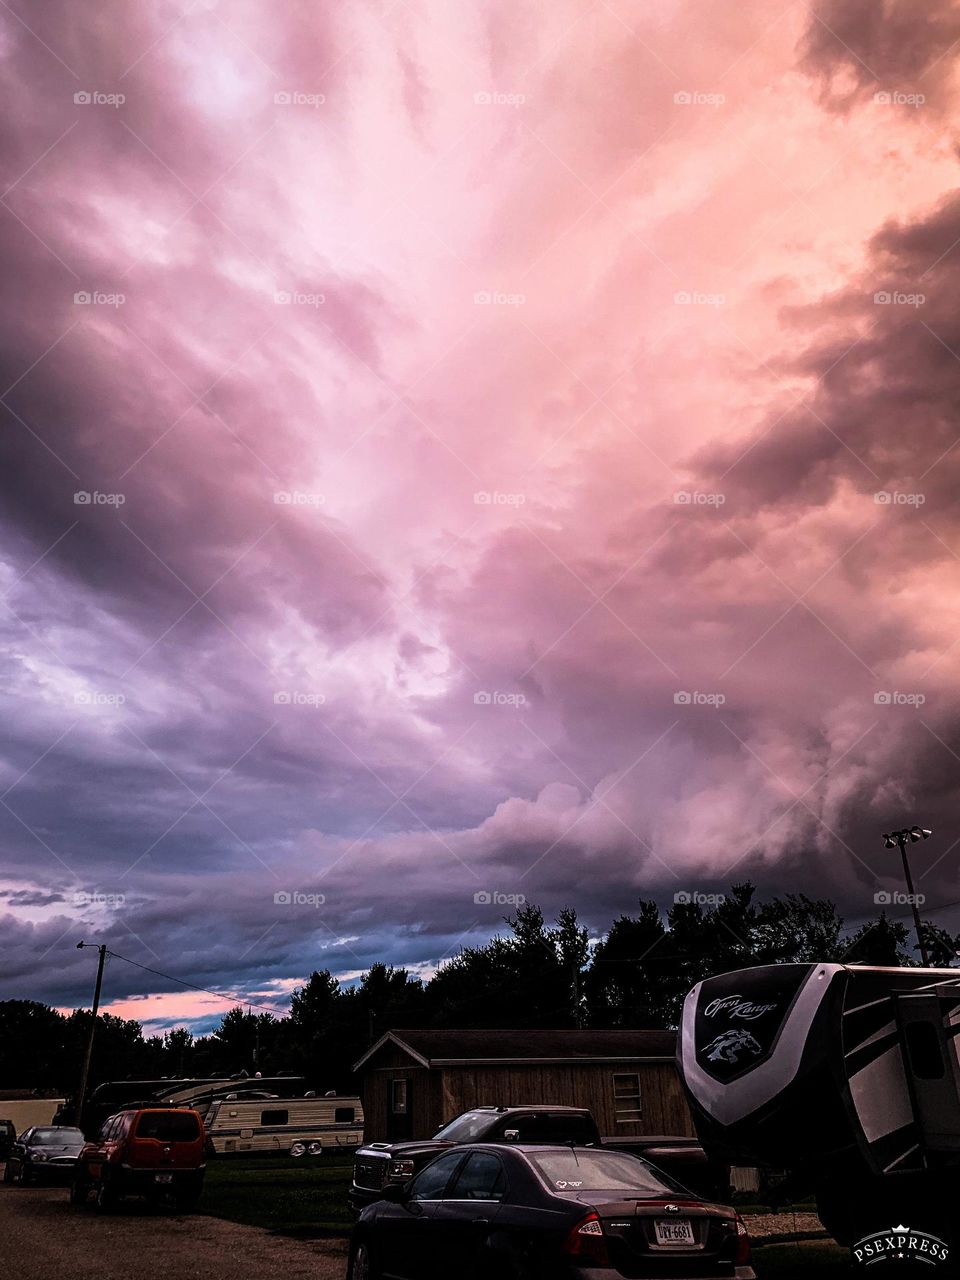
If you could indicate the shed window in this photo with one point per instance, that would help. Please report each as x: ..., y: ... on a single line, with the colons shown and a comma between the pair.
x: 627, y: 1105
x: 274, y: 1117
x: 398, y: 1097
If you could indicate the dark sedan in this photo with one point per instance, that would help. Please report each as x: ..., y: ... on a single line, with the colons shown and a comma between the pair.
x: 525, y: 1212
x: 43, y: 1152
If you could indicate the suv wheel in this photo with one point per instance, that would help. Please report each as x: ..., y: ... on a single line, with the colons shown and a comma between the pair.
x: 24, y: 1177
x: 106, y: 1197
x: 79, y: 1191
x: 8, y: 1172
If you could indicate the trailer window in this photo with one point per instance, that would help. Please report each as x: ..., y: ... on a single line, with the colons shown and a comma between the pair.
x: 344, y: 1115
x: 274, y: 1117
x: 923, y: 1045
x: 627, y: 1105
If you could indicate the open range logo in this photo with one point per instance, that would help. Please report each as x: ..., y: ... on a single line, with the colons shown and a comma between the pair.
x: 899, y: 1245
x: 737, y: 1007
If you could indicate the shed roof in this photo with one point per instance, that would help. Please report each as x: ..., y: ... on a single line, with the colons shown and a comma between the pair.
x: 439, y: 1048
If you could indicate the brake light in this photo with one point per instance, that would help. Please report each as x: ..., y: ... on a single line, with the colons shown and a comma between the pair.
x: 741, y: 1254
x: 586, y: 1240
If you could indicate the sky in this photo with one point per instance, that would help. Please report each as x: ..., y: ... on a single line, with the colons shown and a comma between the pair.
x: 460, y: 454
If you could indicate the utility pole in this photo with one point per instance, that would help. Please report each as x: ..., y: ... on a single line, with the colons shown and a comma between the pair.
x: 88, y: 1057
x: 898, y: 839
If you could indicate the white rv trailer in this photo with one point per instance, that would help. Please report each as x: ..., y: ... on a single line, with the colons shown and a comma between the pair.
x: 295, y: 1126
x: 848, y: 1076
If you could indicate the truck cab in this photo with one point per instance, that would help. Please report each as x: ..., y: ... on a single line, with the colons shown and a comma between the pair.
x: 378, y: 1165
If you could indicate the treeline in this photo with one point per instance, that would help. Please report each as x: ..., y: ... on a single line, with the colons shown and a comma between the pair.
x: 533, y: 975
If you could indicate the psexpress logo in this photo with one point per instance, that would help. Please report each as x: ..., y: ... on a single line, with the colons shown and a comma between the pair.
x: 900, y: 1244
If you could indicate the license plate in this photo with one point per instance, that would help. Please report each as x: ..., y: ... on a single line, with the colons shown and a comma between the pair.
x: 669, y: 1232
x: 163, y: 1177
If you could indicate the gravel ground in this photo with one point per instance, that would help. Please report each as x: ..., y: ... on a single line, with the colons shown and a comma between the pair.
x: 761, y: 1225
x: 43, y: 1237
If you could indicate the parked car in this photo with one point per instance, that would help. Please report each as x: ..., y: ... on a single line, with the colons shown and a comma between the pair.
x: 8, y: 1136
x: 382, y: 1164
x: 534, y: 1212
x: 43, y: 1152
x: 154, y: 1152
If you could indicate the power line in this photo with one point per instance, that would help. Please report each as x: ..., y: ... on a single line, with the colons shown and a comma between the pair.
x: 231, y: 999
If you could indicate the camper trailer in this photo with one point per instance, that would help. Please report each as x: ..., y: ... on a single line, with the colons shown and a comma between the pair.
x: 847, y: 1076
x: 296, y: 1126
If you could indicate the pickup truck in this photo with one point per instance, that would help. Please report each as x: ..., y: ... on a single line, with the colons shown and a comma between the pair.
x: 380, y: 1164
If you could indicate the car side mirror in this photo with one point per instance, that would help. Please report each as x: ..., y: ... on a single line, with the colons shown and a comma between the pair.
x: 511, y: 1135
x: 396, y: 1192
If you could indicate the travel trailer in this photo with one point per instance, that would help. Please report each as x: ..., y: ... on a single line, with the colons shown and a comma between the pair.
x: 246, y: 1114
x: 297, y: 1126
x: 845, y: 1076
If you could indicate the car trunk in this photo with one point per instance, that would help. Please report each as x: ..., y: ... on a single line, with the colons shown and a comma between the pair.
x: 668, y: 1237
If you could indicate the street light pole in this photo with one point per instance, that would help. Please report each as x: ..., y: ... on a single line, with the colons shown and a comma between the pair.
x: 900, y: 838
x: 88, y: 1056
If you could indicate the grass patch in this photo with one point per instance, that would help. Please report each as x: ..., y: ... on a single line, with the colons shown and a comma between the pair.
x: 305, y: 1197
x: 796, y: 1261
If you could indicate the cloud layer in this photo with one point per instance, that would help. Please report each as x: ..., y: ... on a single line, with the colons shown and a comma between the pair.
x: 453, y: 452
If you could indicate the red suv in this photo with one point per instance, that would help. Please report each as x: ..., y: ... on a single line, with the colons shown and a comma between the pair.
x: 153, y: 1152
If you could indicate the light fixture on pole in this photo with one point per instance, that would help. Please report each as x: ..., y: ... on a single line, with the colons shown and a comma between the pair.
x: 898, y: 840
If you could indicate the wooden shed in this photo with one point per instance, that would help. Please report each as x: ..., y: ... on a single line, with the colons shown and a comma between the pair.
x: 412, y: 1082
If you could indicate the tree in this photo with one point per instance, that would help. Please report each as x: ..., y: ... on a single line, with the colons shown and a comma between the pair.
x: 533, y: 978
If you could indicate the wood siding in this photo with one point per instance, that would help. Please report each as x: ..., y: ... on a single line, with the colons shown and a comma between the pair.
x: 664, y: 1106
x: 440, y: 1093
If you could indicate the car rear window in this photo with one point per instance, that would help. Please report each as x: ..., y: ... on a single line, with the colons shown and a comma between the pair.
x: 598, y: 1171
x: 168, y: 1126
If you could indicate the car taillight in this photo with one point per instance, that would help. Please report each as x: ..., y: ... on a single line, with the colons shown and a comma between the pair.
x: 587, y: 1241
x: 741, y: 1254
